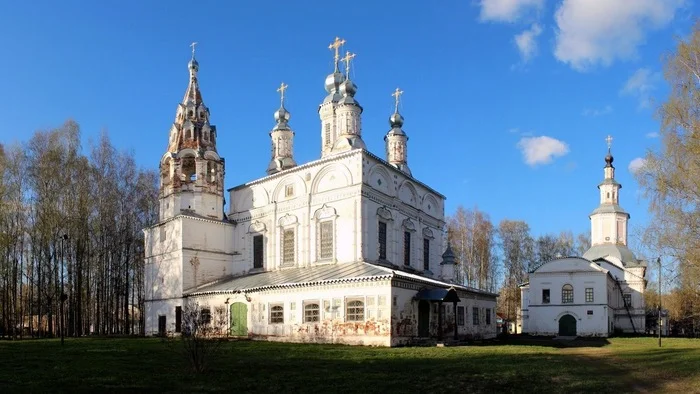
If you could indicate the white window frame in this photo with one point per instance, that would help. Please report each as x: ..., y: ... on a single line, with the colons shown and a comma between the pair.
x: 272, y: 319
x: 323, y: 215
x: 354, y: 319
x: 318, y: 310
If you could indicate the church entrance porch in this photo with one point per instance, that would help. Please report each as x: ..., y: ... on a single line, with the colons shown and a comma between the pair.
x: 567, y: 326
x: 239, y: 319
x: 438, y: 296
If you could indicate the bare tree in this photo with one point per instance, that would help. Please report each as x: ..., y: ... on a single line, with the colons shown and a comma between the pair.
x: 201, y: 336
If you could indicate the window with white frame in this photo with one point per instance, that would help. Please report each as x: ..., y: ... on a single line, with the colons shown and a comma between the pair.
x: 475, y: 316
x: 355, y: 310
x: 567, y: 294
x: 589, y: 294
x: 288, y: 246
x: 325, y: 240
x: 312, y: 312
x: 277, y: 314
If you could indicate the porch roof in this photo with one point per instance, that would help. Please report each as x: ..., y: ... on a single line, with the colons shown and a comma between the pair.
x: 441, y: 295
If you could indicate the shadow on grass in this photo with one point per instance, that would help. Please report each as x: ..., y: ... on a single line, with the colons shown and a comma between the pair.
x: 136, y: 365
x: 527, y: 340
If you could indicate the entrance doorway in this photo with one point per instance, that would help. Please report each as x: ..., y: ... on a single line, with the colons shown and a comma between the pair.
x: 423, y: 319
x: 567, y: 326
x: 161, y: 325
x: 239, y: 319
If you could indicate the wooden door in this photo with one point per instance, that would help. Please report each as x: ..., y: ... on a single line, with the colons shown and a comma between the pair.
x: 423, y: 319
x: 239, y: 319
x: 567, y: 326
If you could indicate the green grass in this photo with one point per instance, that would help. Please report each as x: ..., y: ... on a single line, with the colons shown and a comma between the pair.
x: 137, y: 365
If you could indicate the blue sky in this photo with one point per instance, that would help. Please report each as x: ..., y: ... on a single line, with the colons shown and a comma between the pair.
x: 507, y: 102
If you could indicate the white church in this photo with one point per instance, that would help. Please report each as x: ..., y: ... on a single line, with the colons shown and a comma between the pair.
x: 598, y: 294
x: 349, y: 248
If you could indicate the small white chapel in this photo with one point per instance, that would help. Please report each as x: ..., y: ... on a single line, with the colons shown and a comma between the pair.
x: 597, y: 294
x: 349, y: 248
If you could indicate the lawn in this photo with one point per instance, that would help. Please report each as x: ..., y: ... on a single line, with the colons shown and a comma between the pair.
x: 137, y: 365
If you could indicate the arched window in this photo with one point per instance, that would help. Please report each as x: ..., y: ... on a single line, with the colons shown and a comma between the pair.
x: 277, y: 314
x: 311, y: 313
x: 355, y: 311
x: 567, y: 294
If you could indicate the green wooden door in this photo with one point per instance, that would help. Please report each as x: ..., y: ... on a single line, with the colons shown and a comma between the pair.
x: 567, y: 326
x: 239, y: 319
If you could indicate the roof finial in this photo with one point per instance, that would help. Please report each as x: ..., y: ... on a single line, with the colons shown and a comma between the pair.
x: 348, y: 57
x: 194, y: 44
x: 281, y: 90
x: 336, y: 44
x: 397, y: 94
x: 609, y: 140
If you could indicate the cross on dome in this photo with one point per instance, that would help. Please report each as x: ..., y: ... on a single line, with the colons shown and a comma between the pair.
x: 281, y: 91
x: 348, y: 57
x: 609, y: 140
x: 193, y: 45
x: 335, y: 45
x: 397, y: 94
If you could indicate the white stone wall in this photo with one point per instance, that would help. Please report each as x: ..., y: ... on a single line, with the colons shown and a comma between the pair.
x: 333, y: 327
x: 350, y: 188
x: 592, y: 318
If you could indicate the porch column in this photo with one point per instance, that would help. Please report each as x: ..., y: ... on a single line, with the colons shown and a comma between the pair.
x: 455, y: 311
x: 440, y: 320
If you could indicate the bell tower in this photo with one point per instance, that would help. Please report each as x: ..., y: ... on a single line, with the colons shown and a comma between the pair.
x: 191, y: 170
x: 609, y: 220
x: 396, y: 139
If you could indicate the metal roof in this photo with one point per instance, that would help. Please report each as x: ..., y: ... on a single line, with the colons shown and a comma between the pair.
x: 331, y: 273
x: 621, y: 252
x: 609, y: 208
x: 295, y: 276
x: 446, y: 295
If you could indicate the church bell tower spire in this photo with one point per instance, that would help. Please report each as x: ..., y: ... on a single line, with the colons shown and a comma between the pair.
x: 348, y: 114
x: 396, y: 139
x: 327, y: 109
x: 609, y: 220
x: 282, y: 139
x: 191, y: 170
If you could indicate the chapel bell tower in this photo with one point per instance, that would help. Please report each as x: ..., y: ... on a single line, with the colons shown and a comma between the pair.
x: 609, y: 220
x: 191, y: 171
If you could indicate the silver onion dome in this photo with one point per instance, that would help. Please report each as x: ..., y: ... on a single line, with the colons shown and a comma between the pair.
x: 333, y: 82
x: 193, y: 65
x: 348, y: 88
x: 282, y: 115
x: 396, y: 120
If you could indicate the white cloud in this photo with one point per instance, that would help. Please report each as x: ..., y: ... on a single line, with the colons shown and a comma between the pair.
x: 591, y: 32
x: 640, y: 85
x: 653, y: 134
x: 507, y: 10
x: 597, y: 112
x: 542, y: 149
x: 527, y: 42
x: 636, y: 165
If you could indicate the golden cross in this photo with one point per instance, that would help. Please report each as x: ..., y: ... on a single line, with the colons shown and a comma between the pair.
x: 609, y: 140
x: 193, y: 45
x: 281, y: 90
x: 397, y: 93
x: 348, y: 56
x: 336, y: 45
